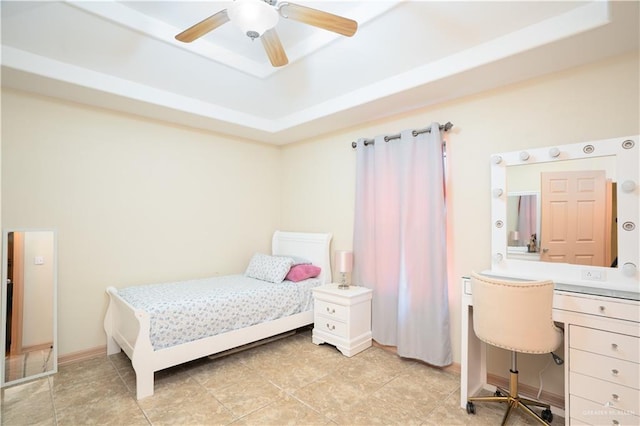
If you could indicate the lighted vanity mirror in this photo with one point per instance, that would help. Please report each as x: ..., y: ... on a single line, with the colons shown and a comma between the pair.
x: 563, y: 211
x: 29, y: 287
x: 569, y: 213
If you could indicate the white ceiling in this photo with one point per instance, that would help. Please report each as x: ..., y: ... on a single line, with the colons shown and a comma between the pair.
x: 405, y: 55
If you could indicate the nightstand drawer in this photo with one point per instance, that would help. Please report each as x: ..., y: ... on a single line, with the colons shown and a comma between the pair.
x: 606, y: 368
x: 331, y: 310
x: 605, y: 394
x: 606, y: 343
x: 331, y: 326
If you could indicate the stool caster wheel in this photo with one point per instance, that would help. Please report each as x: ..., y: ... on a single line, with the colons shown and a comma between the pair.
x: 497, y: 393
x: 547, y: 415
x: 471, y: 408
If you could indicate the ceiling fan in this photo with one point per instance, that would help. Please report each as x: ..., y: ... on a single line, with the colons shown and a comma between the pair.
x: 258, y: 18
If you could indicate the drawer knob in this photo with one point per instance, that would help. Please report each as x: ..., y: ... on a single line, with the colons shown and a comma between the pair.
x: 331, y: 327
x: 614, y: 346
x: 614, y: 372
x: 602, y: 308
x: 615, y: 422
x: 615, y: 397
x: 331, y: 311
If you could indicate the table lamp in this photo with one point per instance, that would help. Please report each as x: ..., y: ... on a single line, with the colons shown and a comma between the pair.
x: 344, y: 264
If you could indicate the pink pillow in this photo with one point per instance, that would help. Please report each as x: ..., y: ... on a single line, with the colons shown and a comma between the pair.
x: 302, y: 272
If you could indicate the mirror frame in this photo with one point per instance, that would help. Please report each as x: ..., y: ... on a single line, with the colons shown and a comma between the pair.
x: 625, y: 277
x: 3, y: 307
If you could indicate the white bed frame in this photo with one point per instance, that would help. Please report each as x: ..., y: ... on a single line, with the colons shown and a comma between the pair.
x: 128, y: 328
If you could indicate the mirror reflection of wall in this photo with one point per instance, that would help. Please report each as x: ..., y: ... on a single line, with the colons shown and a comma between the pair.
x: 556, y: 239
x: 29, y: 311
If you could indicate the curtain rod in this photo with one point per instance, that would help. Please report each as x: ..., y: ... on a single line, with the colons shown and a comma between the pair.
x: 446, y: 127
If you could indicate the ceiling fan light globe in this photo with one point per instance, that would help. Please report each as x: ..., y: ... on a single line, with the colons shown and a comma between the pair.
x: 253, y: 16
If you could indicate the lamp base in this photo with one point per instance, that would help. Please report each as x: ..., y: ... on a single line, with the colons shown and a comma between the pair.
x: 343, y: 285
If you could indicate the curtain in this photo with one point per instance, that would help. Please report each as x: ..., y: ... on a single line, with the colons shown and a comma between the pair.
x: 527, y: 217
x: 400, y: 243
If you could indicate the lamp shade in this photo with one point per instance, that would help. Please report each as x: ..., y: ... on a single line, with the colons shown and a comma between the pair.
x: 344, y: 261
x: 253, y: 17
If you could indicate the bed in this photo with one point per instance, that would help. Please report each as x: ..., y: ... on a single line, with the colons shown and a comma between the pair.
x: 129, y: 328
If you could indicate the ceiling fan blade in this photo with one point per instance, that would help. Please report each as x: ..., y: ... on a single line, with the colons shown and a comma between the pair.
x: 273, y: 46
x: 203, y: 27
x: 318, y: 18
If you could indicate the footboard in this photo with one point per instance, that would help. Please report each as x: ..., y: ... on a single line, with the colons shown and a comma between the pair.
x: 128, y: 329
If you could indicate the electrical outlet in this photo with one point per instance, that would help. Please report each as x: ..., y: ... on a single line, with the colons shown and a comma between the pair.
x: 38, y: 260
x: 593, y: 275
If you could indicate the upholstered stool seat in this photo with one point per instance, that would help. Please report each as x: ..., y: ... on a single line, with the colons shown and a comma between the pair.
x: 517, y: 316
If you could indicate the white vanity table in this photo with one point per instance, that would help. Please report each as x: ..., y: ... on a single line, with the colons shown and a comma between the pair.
x: 601, y: 346
x: 597, y: 303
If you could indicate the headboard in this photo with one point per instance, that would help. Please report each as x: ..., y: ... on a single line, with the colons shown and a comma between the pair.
x: 311, y: 246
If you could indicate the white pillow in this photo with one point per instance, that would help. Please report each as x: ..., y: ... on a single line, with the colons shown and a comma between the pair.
x: 269, y: 268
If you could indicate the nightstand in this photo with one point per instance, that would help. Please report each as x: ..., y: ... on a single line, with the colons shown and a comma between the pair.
x: 342, y: 317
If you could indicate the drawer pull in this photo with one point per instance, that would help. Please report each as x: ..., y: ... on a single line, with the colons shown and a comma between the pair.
x: 614, y: 346
x: 615, y: 397
x: 602, y: 308
x: 331, y: 311
x: 614, y: 372
x: 615, y: 422
x: 331, y: 327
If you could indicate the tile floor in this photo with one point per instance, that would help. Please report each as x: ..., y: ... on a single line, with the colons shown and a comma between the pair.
x: 286, y: 382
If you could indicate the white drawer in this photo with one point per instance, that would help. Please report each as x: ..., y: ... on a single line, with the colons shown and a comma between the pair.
x: 600, y: 307
x: 593, y: 413
x: 575, y: 422
x: 330, y: 326
x: 615, y: 345
x: 613, y: 370
x: 332, y: 310
x: 605, y: 393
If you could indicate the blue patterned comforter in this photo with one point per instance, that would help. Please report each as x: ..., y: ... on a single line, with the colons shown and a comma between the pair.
x: 184, y: 311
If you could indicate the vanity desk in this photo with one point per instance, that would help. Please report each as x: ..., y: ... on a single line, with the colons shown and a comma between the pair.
x: 601, y: 347
x: 577, y: 209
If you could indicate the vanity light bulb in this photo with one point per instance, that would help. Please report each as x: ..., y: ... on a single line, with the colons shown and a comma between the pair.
x: 496, y: 159
x: 554, y: 152
x: 524, y: 155
x: 497, y: 192
x: 497, y: 257
x: 629, y: 269
x: 628, y: 186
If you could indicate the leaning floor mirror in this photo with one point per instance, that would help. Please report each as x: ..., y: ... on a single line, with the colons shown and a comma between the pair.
x: 29, y: 308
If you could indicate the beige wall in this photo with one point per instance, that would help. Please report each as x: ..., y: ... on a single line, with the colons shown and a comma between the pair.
x: 38, y: 290
x: 134, y: 201
x: 137, y: 201
x: 593, y: 102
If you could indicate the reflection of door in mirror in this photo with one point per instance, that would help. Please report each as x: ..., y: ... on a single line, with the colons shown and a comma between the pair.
x: 577, y: 218
x: 30, y: 305
x: 526, y: 178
